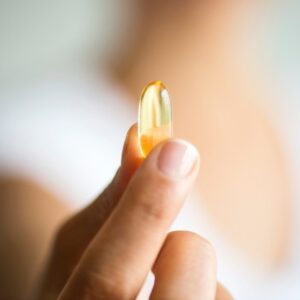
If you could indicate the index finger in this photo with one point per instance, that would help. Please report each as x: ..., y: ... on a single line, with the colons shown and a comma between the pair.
x: 122, y: 253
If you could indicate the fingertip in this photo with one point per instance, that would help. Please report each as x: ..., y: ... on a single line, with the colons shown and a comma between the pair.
x: 175, y: 158
x: 131, y: 154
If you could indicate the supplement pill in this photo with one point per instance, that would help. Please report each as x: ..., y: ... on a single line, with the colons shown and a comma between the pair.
x: 155, y: 116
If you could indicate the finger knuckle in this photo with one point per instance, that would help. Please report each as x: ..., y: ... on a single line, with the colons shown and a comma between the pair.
x: 195, y: 240
x: 156, y: 207
x: 157, y: 201
x: 98, y: 287
x: 205, y: 247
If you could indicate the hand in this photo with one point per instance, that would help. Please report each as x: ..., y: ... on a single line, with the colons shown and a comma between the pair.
x: 107, y: 250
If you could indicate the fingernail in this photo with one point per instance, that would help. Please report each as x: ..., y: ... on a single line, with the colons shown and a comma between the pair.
x: 177, y: 158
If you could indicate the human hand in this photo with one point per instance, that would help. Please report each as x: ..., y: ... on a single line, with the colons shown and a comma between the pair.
x: 107, y: 250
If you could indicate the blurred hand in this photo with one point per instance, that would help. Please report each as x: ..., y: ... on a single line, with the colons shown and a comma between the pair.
x: 107, y: 250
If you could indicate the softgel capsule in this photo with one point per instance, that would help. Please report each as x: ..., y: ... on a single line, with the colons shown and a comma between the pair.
x: 155, y: 116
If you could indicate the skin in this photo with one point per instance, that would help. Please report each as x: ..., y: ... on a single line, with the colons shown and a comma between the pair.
x: 107, y: 250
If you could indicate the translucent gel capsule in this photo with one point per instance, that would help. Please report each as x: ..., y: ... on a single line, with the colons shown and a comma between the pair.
x: 155, y: 116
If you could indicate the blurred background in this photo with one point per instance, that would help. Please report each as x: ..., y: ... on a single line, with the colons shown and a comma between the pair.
x: 70, y: 77
x: 38, y: 37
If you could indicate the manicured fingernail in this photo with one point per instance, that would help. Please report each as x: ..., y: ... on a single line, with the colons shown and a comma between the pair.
x: 177, y: 158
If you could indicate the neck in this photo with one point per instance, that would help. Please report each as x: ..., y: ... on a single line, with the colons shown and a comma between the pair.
x: 198, y: 57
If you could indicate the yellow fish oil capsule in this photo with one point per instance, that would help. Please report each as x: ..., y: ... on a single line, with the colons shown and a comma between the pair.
x: 155, y: 116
